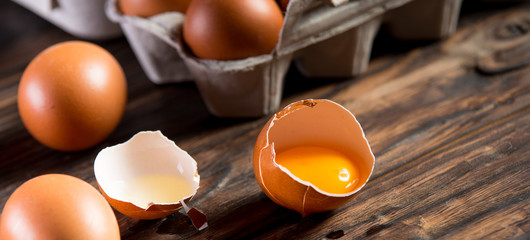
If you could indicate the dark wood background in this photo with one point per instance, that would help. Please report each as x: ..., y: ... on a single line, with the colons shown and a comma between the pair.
x: 448, y: 122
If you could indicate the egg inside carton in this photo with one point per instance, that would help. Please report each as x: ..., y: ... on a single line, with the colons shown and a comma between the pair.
x: 325, y: 38
x: 81, y: 18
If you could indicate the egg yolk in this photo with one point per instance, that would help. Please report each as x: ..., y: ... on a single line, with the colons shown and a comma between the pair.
x: 327, y: 169
x: 158, y: 188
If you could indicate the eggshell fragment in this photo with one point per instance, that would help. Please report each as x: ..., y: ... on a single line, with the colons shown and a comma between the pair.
x: 309, y: 122
x: 146, y: 153
x: 198, y: 218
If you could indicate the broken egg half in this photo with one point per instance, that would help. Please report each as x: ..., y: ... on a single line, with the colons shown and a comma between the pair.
x: 312, y: 156
x: 147, y: 177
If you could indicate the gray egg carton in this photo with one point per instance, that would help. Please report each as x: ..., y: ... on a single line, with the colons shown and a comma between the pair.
x: 82, y: 18
x: 325, y: 38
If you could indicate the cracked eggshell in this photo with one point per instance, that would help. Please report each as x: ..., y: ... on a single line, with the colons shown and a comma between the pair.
x: 309, y: 122
x: 148, y: 152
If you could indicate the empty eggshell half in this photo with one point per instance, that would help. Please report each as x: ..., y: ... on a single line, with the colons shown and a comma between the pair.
x: 309, y: 123
x: 133, y: 176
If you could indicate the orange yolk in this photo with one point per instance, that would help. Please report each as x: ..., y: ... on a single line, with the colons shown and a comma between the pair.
x: 325, y: 168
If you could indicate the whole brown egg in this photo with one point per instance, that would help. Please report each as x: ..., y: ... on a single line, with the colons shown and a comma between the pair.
x: 72, y: 95
x: 148, y: 8
x: 57, y: 206
x: 232, y: 29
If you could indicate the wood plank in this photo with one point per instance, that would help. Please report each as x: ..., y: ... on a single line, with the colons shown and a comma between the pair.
x: 513, y: 221
x: 448, y: 123
x: 458, y: 97
x: 483, y: 174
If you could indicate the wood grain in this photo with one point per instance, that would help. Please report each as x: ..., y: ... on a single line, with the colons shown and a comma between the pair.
x: 448, y: 122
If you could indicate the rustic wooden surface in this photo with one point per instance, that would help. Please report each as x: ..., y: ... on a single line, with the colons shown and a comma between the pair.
x: 448, y: 122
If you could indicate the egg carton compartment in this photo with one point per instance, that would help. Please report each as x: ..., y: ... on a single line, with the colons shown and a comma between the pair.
x: 325, y: 38
x: 151, y: 42
x: 347, y: 54
x: 81, y: 18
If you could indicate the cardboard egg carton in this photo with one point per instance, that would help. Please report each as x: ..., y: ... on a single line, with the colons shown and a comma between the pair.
x: 81, y: 18
x: 325, y: 38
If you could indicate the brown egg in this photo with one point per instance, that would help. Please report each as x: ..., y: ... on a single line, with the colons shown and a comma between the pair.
x: 232, y: 29
x: 72, y: 95
x: 147, y: 177
x: 148, y: 8
x: 312, y: 124
x: 57, y: 206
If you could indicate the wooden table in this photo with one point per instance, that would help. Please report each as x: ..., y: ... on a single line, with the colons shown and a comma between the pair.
x: 448, y: 122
